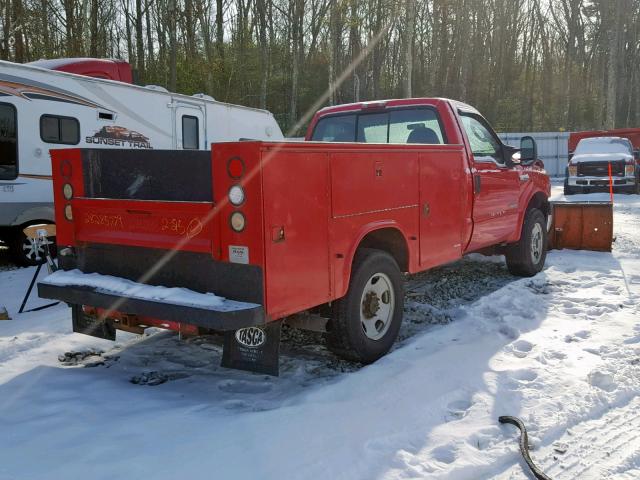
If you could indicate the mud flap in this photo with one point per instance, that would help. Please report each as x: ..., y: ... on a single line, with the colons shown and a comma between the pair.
x: 90, y: 325
x: 254, y: 349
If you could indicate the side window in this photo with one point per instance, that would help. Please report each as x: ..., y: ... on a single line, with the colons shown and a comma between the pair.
x: 8, y: 142
x: 55, y: 129
x: 482, y: 141
x: 419, y: 125
x: 190, y: 140
x: 373, y: 128
x: 340, y: 128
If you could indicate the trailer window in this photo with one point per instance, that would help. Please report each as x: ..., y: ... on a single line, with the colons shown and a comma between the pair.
x: 8, y: 142
x: 190, y: 139
x: 56, y: 129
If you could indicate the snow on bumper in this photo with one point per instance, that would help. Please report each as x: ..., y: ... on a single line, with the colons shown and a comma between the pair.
x: 175, y: 304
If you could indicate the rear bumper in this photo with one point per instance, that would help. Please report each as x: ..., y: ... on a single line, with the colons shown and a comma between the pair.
x: 240, y: 315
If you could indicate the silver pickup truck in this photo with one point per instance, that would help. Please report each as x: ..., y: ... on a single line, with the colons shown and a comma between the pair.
x: 588, y: 169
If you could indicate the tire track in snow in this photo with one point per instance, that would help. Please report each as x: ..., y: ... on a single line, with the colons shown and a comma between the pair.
x: 597, y: 448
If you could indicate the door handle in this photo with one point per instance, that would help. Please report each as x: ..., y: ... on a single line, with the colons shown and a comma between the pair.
x: 477, y: 184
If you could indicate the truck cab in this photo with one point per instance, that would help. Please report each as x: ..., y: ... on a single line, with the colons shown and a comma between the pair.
x: 493, y: 183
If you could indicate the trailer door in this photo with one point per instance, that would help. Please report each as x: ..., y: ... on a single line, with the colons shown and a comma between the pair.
x: 189, y: 131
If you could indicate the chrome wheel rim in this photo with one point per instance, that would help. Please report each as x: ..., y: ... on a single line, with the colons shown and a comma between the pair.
x: 537, y: 243
x: 32, y: 251
x: 376, y: 306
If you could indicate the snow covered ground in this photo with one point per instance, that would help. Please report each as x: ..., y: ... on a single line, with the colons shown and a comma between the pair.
x: 560, y: 350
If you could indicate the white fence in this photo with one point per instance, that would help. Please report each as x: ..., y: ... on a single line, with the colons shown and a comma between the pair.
x: 553, y: 148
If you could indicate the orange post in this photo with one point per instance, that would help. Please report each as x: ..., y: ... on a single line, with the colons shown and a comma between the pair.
x: 610, y: 183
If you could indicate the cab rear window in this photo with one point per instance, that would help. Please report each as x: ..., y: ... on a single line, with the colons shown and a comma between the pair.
x: 8, y: 142
x: 403, y: 126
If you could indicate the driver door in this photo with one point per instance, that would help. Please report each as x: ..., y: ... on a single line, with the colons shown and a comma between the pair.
x: 496, y: 186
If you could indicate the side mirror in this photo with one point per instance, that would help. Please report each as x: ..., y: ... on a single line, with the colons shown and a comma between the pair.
x: 528, y: 150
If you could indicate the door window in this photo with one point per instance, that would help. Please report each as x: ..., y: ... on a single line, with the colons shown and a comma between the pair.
x: 8, y: 142
x: 190, y: 133
x: 481, y: 139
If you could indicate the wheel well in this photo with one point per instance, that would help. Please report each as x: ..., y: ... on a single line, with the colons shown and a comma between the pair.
x: 541, y: 202
x: 391, y: 241
x: 21, y: 226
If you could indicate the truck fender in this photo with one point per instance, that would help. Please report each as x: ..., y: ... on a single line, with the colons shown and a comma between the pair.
x: 388, y: 236
x: 532, y: 199
x: 39, y: 213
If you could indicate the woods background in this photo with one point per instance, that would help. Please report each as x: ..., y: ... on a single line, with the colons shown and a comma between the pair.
x: 528, y: 65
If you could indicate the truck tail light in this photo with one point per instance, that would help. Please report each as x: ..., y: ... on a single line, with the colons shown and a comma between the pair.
x: 236, y: 195
x: 67, y: 191
x: 237, y: 221
x: 573, y: 170
x: 68, y: 212
x: 235, y: 168
x: 65, y: 169
x: 629, y: 170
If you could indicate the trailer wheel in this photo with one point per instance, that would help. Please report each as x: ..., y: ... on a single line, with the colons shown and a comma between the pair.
x: 24, y: 249
x: 527, y: 257
x: 365, y: 322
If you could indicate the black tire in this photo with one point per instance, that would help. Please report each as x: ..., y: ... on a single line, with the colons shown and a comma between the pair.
x: 523, y: 259
x: 346, y: 335
x: 21, y: 252
x: 568, y: 189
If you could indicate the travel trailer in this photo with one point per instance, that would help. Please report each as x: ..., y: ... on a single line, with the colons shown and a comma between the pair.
x: 107, y: 68
x: 42, y: 109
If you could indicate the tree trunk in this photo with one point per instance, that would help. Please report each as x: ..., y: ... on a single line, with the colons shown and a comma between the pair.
x: 139, y: 42
x: 408, y: 46
x: 219, y: 29
x: 264, y: 51
x: 173, y: 46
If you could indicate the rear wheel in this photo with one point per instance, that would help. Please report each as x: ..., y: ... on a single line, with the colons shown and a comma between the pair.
x: 527, y: 257
x: 366, y: 321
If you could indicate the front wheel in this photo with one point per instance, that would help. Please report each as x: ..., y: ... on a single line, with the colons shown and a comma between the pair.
x: 365, y: 322
x: 527, y: 257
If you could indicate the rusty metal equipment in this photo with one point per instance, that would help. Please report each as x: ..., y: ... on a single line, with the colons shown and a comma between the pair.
x: 582, y: 226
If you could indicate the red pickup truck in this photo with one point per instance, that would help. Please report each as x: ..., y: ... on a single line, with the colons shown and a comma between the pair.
x: 315, y: 232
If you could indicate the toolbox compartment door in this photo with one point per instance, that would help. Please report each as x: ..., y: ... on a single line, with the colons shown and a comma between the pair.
x: 296, y: 213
